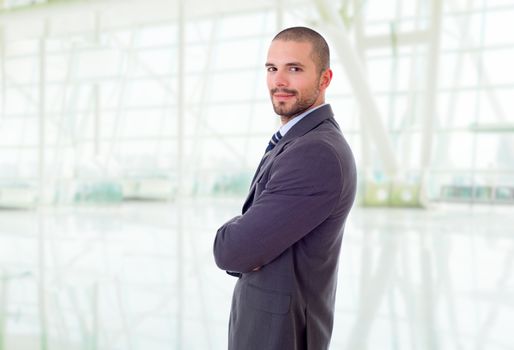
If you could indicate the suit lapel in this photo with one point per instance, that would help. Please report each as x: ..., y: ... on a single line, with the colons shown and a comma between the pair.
x: 311, y: 121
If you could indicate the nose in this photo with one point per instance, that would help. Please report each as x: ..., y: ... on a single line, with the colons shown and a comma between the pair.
x: 280, y: 79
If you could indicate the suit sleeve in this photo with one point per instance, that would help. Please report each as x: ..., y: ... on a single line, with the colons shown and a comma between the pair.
x: 303, y: 189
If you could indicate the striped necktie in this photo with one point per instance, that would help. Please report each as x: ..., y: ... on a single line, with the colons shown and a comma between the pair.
x: 273, y: 142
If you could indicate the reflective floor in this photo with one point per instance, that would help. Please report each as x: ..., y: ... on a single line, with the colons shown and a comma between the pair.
x: 141, y: 276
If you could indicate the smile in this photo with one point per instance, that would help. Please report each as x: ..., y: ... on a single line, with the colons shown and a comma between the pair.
x: 282, y: 96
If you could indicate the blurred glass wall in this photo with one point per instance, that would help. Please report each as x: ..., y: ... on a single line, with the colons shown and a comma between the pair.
x: 89, y: 97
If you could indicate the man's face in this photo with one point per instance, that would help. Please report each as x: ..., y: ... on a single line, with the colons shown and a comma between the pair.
x: 294, y: 80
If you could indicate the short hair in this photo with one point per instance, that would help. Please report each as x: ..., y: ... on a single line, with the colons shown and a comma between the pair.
x: 320, y: 51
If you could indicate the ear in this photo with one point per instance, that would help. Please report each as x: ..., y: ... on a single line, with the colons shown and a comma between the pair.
x: 325, y: 79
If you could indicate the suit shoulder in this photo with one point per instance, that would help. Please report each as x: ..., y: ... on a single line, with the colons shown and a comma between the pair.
x: 328, y: 139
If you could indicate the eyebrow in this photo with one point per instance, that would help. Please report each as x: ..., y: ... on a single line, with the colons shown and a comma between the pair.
x: 290, y: 64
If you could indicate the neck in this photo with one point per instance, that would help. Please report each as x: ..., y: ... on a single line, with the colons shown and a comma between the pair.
x: 284, y: 119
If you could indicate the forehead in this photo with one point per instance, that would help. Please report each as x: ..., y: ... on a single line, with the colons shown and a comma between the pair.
x: 283, y: 52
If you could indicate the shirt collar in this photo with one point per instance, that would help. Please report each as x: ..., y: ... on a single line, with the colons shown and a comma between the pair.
x: 287, y: 126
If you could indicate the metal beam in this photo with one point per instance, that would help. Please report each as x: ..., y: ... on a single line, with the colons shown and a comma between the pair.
x: 358, y: 23
x: 180, y: 95
x: 398, y: 39
x: 279, y: 15
x: 430, y: 109
x: 370, y: 114
x: 492, y: 127
x: 42, y: 114
x: 42, y: 281
x: 2, y: 72
x: 3, y: 308
x: 96, y: 94
x: 181, y: 56
x: 41, y: 290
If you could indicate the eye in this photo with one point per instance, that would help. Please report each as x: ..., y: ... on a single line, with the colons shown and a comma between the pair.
x: 295, y: 69
x: 271, y: 69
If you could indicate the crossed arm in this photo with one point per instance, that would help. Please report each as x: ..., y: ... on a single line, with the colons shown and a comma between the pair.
x: 303, y: 189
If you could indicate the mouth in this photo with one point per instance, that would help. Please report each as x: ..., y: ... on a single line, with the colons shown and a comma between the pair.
x: 283, y: 96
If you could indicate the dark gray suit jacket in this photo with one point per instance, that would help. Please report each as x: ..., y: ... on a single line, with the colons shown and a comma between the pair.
x: 291, y: 228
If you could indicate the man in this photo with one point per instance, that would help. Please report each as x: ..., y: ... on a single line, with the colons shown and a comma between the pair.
x: 284, y: 248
